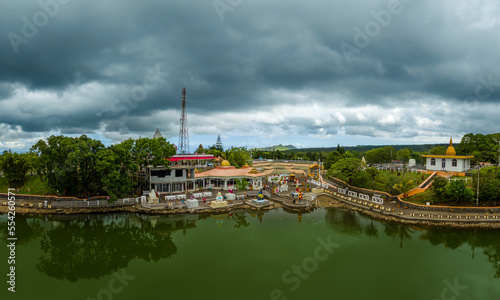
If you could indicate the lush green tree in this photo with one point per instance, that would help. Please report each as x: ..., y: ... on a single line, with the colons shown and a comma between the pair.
x: 238, y: 156
x: 380, y: 155
x: 340, y: 149
x: 147, y: 151
x: 439, y: 187
x: 483, y: 147
x: 200, y: 149
x: 374, y: 156
x: 351, y: 154
x: 457, y: 191
x: 438, y: 150
x: 15, y: 166
x: 417, y: 157
x: 403, y: 186
x: 215, y: 152
x: 489, y: 191
x: 489, y: 186
x: 390, y: 184
x: 372, y: 172
x: 331, y: 158
x: 404, y: 154
x: 241, y: 184
x: 362, y: 179
x: 69, y: 164
x: 346, y: 169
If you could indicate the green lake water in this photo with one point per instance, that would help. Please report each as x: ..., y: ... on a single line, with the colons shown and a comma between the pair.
x: 327, y: 254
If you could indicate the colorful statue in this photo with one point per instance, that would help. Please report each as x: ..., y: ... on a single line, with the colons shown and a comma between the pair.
x: 231, y: 190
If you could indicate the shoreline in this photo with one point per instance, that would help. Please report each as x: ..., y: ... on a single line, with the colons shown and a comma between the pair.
x: 324, y: 200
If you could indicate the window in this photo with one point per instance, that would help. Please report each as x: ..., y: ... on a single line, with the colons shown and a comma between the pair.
x: 454, y: 163
x: 443, y: 163
x: 160, y: 173
x: 433, y: 161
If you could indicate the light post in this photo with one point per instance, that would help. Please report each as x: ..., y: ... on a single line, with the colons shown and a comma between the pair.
x: 477, y: 194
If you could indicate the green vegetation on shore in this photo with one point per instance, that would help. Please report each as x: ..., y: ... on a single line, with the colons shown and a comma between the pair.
x: 458, y: 192
x: 84, y: 167
x: 353, y: 172
x: 33, y: 185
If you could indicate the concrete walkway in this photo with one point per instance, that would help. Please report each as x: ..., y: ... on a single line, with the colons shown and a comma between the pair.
x: 396, y: 210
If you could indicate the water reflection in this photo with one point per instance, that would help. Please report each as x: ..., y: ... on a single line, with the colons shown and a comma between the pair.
x: 344, y: 221
x: 85, y: 247
x: 98, y: 246
x: 398, y: 231
x: 486, y: 241
x: 240, y: 219
x: 351, y: 223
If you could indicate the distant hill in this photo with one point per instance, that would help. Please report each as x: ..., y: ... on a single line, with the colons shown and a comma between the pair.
x: 277, y: 147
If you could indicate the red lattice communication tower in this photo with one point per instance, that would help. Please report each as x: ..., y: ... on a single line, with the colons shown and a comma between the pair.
x: 183, y: 147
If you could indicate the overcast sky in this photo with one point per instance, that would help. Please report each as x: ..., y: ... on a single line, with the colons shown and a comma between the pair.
x: 307, y: 73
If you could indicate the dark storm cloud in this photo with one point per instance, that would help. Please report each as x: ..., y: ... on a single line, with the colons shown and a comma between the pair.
x: 86, y: 61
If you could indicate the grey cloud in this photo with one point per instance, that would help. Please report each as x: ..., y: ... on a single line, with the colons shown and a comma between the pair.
x: 428, y: 53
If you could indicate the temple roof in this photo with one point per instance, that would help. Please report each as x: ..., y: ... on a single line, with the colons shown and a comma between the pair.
x: 231, y: 172
x: 157, y: 134
x: 450, y: 153
x: 451, y: 150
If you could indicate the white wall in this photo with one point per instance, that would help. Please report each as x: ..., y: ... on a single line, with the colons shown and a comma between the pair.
x: 462, y: 165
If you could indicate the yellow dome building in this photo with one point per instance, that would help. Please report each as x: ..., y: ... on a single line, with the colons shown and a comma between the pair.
x: 225, y: 163
x: 451, y: 162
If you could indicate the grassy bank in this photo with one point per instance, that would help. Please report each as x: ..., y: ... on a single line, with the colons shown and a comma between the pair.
x: 33, y: 186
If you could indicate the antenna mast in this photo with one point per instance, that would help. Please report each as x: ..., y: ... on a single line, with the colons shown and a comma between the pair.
x: 183, y: 131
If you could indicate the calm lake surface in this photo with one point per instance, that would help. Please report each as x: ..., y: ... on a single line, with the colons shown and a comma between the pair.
x: 327, y: 254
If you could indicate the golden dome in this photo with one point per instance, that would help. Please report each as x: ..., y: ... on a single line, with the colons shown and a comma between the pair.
x: 225, y: 163
x: 253, y: 171
x: 451, y: 150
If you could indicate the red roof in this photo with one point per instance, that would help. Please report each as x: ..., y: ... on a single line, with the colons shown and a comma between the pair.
x: 191, y: 157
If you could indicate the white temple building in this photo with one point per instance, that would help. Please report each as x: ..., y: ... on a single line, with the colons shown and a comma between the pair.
x: 451, y: 162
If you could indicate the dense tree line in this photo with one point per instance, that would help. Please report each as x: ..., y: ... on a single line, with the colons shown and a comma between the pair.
x: 84, y: 167
x: 237, y: 156
x: 483, y: 147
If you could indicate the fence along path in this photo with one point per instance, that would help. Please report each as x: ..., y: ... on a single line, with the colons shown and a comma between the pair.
x: 95, y: 203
